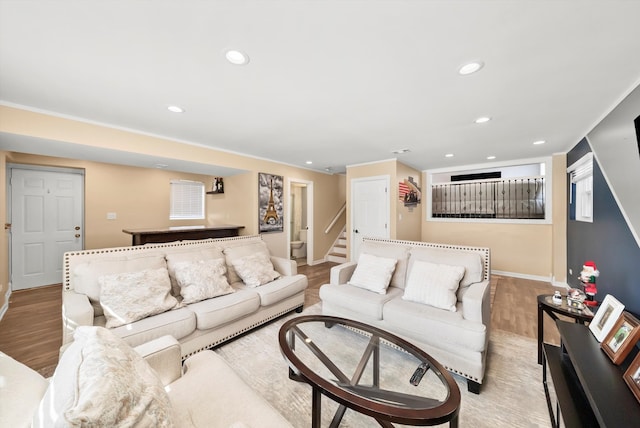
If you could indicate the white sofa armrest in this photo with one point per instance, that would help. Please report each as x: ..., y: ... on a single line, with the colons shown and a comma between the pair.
x: 76, y: 311
x: 164, y: 356
x: 476, y: 303
x: 342, y: 273
x: 284, y: 267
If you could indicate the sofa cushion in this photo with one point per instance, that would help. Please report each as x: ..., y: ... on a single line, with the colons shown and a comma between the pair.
x: 21, y: 389
x: 255, y: 269
x: 436, y: 327
x: 221, y: 310
x: 238, y: 249
x: 389, y: 250
x: 471, y: 261
x: 191, y: 255
x: 85, y: 275
x: 101, y: 381
x: 433, y: 284
x: 131, y: 296
x: 373, y: 273
x: 358, y: 300
x: 177, y: 322
x: 202, y: 279
x: 280, y: 289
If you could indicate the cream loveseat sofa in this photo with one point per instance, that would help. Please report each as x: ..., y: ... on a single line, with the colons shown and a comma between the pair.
x: 200, y: 292
x: 434, y: 295
x: 101, y: 381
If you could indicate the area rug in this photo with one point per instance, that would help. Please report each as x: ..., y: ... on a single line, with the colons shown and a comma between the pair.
x: 511, y: 395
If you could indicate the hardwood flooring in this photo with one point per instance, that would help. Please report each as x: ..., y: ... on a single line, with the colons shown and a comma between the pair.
x: 31, y: 329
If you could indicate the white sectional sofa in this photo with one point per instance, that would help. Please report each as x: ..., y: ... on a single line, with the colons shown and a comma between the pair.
x: 434, y: 295
x: 102, y: 381
x: 179, y: 289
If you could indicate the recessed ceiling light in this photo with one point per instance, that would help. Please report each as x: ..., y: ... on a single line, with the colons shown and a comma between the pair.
x: 471, y: 67
x: 483, y: 119
x: 175, y: 109
x: 448, y: 155
x: 537, y: 143
x: 161, y: 165
x: 236, y: 57
x: 491, y: 157
x: 308, y: 162
x: 401, y: 151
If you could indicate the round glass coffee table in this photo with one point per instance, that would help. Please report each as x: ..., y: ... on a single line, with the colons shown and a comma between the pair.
x: 368, y: 370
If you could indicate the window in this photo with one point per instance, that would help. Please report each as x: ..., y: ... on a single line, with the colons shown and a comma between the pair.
x: 187, y: 200
x: 504, y: 193
x: 581, y: 192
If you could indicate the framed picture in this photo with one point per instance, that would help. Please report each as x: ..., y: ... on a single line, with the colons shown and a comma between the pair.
x: 605, y: 317
x: 270, y: 203
x: 622, y: 338
x: 632, y: 377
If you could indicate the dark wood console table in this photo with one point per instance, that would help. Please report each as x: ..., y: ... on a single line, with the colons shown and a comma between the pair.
x: 146, y: 236
x: 589, y: 388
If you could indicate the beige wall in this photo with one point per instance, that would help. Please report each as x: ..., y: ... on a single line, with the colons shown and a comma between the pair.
x: 4, y: 256
x: 140, y: 196
x: 536, y: 250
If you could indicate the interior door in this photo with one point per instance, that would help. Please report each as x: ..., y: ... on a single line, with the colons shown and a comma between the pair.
x: 369, y: 211
x: 46, y: 221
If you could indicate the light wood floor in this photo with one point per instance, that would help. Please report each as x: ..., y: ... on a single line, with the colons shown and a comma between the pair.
x: 31, y: 330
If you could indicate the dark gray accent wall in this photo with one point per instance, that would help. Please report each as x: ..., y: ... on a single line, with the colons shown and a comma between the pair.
x: 607, y: 241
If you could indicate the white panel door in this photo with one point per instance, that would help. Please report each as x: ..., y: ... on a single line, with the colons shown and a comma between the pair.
x: 369, y: 211
x: 46, y: 221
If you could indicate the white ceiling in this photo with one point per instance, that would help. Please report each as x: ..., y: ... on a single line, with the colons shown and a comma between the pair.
x: 333, y: 82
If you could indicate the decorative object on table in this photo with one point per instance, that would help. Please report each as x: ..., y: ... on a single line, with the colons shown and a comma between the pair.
x: 622, y: 338
x: 605, y: 317
x: 557, y: 298
x: 575, y: 299
x: 270, y: 203
x: 217, y: 185
x: 632, y: 377
x: 588, y: 278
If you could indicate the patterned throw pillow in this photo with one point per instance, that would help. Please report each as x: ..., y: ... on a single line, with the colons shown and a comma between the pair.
x: 373, y: 273
x: 202, y: 279
x: 101, y: 381
x: 255, y: 269
x: 434, y: 284
x: 131, y: 296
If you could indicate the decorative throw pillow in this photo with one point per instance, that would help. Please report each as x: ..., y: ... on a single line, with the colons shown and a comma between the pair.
x: 373, y: 273
x: 255, y: 269
x: 236, y: 250
x: 131, y: 296
x: 202, y: 280
x: 189, y: 255
x: 434, y: 284
x: 101, y: 381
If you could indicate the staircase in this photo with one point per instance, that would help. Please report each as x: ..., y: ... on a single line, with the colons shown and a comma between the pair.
x: 338, y: 252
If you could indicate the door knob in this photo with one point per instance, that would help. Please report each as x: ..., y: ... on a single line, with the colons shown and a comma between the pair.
x: 355, y: 231
x: 77, y: 235
x: 77, y: 227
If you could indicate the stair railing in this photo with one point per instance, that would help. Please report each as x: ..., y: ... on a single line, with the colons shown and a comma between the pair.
x: 336, y: 217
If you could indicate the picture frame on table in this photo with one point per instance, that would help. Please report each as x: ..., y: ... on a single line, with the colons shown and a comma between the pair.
x: 606, y: 316
x: 622, y: 338
x: 632, y: 377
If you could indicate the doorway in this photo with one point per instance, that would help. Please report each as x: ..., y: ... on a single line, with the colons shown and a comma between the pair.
x: 46, y: 212
x: 300, y: 225
x: 370, y: 213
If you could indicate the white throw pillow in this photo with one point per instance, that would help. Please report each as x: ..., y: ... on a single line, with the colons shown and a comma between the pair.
x: 434, y: 284
x: 255, y: 269
x: 373, y: 273
x: 101, y: 381
x: 131, y: 296
x: 202, y: 279
x: 239, y: 249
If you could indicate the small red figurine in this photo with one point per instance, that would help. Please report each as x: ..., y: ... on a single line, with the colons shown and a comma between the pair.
x: 588, y: 277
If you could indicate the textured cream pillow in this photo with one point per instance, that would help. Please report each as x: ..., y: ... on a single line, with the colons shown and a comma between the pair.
x: 100, y: 381
x: 190, y: 255
x: 238, y: 250
x: 202, y: 279
x: 131, y: 296
x: 434, y: 284
x: 255, y: 269
x: 373, y: 273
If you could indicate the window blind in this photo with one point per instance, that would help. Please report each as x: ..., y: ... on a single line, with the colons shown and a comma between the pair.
x: 187, y: 200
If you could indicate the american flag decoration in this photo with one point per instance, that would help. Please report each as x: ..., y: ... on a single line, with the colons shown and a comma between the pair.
x: 409, y: 192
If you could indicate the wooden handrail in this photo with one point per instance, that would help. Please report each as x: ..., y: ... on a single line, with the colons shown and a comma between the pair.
x: 335, y: 218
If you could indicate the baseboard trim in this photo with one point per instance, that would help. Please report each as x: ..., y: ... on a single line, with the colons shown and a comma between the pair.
x: 522, y: 275
x: 5, y: 306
